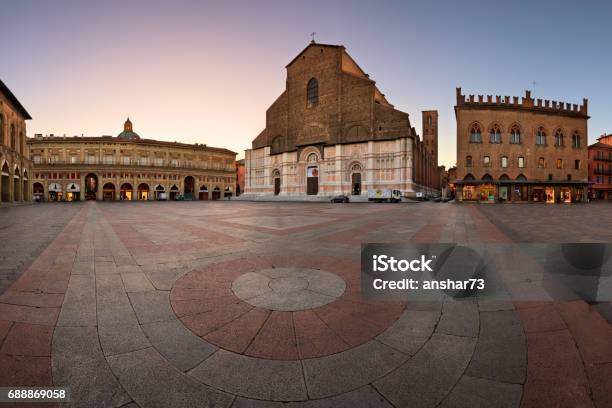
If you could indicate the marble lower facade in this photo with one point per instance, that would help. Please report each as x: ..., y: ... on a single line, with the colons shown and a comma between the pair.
x: 350, y: 169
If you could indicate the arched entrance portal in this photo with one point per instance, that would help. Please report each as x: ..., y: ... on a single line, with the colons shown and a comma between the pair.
x: 355, y: 172
x: 160, y: 192
x: 277, y: 181
x: 126, y: 191
x: 312, y: 175
x: 6, y: 184
x: 228, y: 192
x: 189, y: 188
x: 174, y: 192
x: 216, y: 194
x: 108, y: 192
x: 38, y: 191
x: 203, y: 196
x: 143, y: 192
x: 91, y: 186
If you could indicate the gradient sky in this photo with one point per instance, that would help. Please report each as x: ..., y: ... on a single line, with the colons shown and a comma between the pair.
x: 207, y: 71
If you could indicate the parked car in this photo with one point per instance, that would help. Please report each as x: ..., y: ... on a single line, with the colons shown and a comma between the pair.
x: 340, y: 199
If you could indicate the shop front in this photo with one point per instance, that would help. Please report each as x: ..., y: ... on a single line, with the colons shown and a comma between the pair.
x: 55, y: 192
x: 487, y: 193
x: 73, y: 192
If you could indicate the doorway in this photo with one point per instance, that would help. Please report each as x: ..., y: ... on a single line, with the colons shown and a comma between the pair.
x: 312, y: 181
x: 356, y: 182
x: 203, y: 196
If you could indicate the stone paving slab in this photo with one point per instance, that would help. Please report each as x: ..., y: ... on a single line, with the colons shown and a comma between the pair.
x: 177, y: 344
x: 153, y: 382
x: 79, y: 309
x: 152, y: 306
x: 425, y: 379
x: 351, y: 369
x: 473, y: 392
x: 78, y: 363
x: 500, y: 353
x: 410, y: 332
x: 459, y: 318
x: 252, y: 377
x: 365, y: 397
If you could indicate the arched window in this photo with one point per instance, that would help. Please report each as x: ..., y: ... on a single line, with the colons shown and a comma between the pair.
x: 468, y: 161
x: 559, y: 138
x: 312, y: 157
x: 504, y: 161
x: 475, y: 134
x: 576, y: 140
x: 495, y: 134
x: 540, y: 136
x: 312, y: 93
x: 515, y: 135
x: 429, y: 120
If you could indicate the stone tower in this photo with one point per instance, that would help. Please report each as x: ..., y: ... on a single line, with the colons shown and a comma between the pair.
x: 430, y: 133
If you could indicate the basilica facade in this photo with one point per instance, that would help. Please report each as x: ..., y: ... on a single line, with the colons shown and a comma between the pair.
x: 332, y: 131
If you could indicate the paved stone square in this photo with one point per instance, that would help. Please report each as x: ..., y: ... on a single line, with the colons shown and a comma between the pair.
x: 238, y: 304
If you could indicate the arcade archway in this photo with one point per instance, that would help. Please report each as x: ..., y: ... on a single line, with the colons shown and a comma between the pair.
x: 143, y: 192
x: 108, y: 192
x: 126, y: 192
x: 189, y: 189
x: 91, y: 186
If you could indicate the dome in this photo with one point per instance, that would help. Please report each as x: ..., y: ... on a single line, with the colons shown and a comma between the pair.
x: 128, y: 133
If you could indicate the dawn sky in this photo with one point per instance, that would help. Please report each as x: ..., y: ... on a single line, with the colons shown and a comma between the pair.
x: 207, y: 71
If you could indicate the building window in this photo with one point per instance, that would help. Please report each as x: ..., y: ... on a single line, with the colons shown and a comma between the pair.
x: 36, y: 159
x: 559, y: 163
x: 486, y: 160
x: 541, y: 136
x: 559, y: 138
x: 475, y: 134
x: 73, y: 159
x: 521, y: 162
x: 541, y: 163
x: 515, y: 135
x: 504, y: 161
x: 54, y: 158
x: 312, y: 93
x: 577, y: 164
x: 550, y: 177
x: 125, y: 159
x: 569, y: 177
x: 576, y: 140
x: 468, y: 161
x: 13, y: 137
x: 495, y: 134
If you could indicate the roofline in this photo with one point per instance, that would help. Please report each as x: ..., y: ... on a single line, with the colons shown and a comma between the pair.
x: 13, y: 99
x: 310, y: 45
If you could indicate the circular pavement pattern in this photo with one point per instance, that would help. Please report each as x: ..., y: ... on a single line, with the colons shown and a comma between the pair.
x: 288, y: 289
x: 281, y: 308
